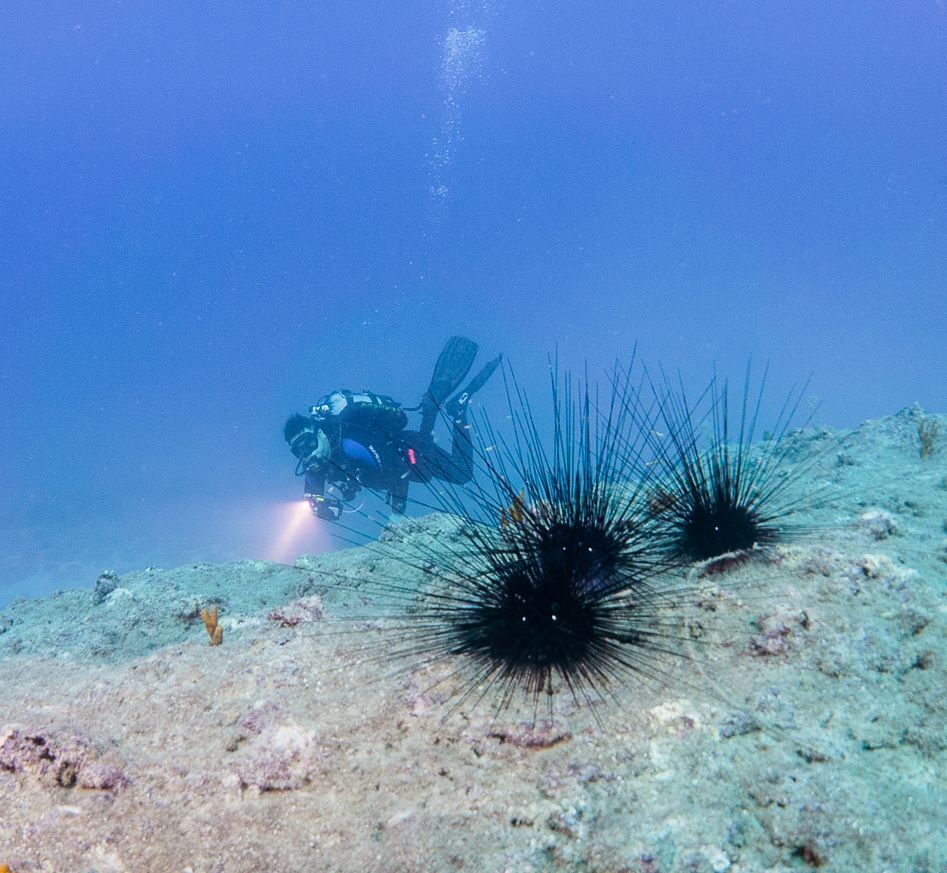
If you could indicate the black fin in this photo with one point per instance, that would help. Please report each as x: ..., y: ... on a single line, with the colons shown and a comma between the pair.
x: 452, y: 365
x: 456, y: 407
x: 486, y: 371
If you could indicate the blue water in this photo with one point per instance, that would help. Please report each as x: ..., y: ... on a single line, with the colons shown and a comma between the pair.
x: 214, y: 213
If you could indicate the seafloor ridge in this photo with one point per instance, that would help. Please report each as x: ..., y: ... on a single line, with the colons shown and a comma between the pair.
x: 803, y: 729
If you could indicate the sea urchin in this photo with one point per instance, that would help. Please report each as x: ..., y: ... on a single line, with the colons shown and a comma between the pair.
x: 552, y: 579
x: 723, y: 495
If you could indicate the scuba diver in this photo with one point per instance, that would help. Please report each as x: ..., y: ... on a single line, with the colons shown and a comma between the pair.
x: 356, y: 439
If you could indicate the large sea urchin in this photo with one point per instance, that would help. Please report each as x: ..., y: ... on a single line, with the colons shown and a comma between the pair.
x: 553, y: 579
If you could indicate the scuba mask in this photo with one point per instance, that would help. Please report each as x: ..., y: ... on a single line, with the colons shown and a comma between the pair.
x: 307, y: 442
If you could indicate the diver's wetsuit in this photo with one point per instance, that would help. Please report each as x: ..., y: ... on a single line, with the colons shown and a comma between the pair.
x: 369, y: 457
x: 357, y: 439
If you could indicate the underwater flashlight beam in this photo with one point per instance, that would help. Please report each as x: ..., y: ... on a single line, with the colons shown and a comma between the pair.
x: 297, y: 514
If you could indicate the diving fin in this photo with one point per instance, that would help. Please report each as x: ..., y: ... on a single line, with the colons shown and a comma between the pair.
x: 481, y: 378
x: 456, y: 405
x: 453, y: 364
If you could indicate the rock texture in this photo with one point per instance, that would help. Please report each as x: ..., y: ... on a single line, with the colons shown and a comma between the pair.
x: 801, y: 728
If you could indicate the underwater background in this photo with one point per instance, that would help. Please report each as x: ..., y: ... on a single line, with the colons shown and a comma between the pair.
x: 213, y: 214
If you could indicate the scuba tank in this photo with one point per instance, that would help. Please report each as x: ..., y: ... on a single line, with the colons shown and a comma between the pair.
x: 363, y: 408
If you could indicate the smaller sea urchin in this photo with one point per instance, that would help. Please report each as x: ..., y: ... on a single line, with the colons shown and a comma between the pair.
x: 723, y: 495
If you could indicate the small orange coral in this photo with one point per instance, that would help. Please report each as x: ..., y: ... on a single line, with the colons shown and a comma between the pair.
x: 516, y: 514
x: 214, y: 630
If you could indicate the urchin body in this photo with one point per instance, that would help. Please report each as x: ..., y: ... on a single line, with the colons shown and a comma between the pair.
x: 720, y: 495
x: 711, y: 514
x: 550, y: 603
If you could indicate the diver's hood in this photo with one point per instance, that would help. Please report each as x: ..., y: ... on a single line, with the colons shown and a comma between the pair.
x: 321, y: 453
